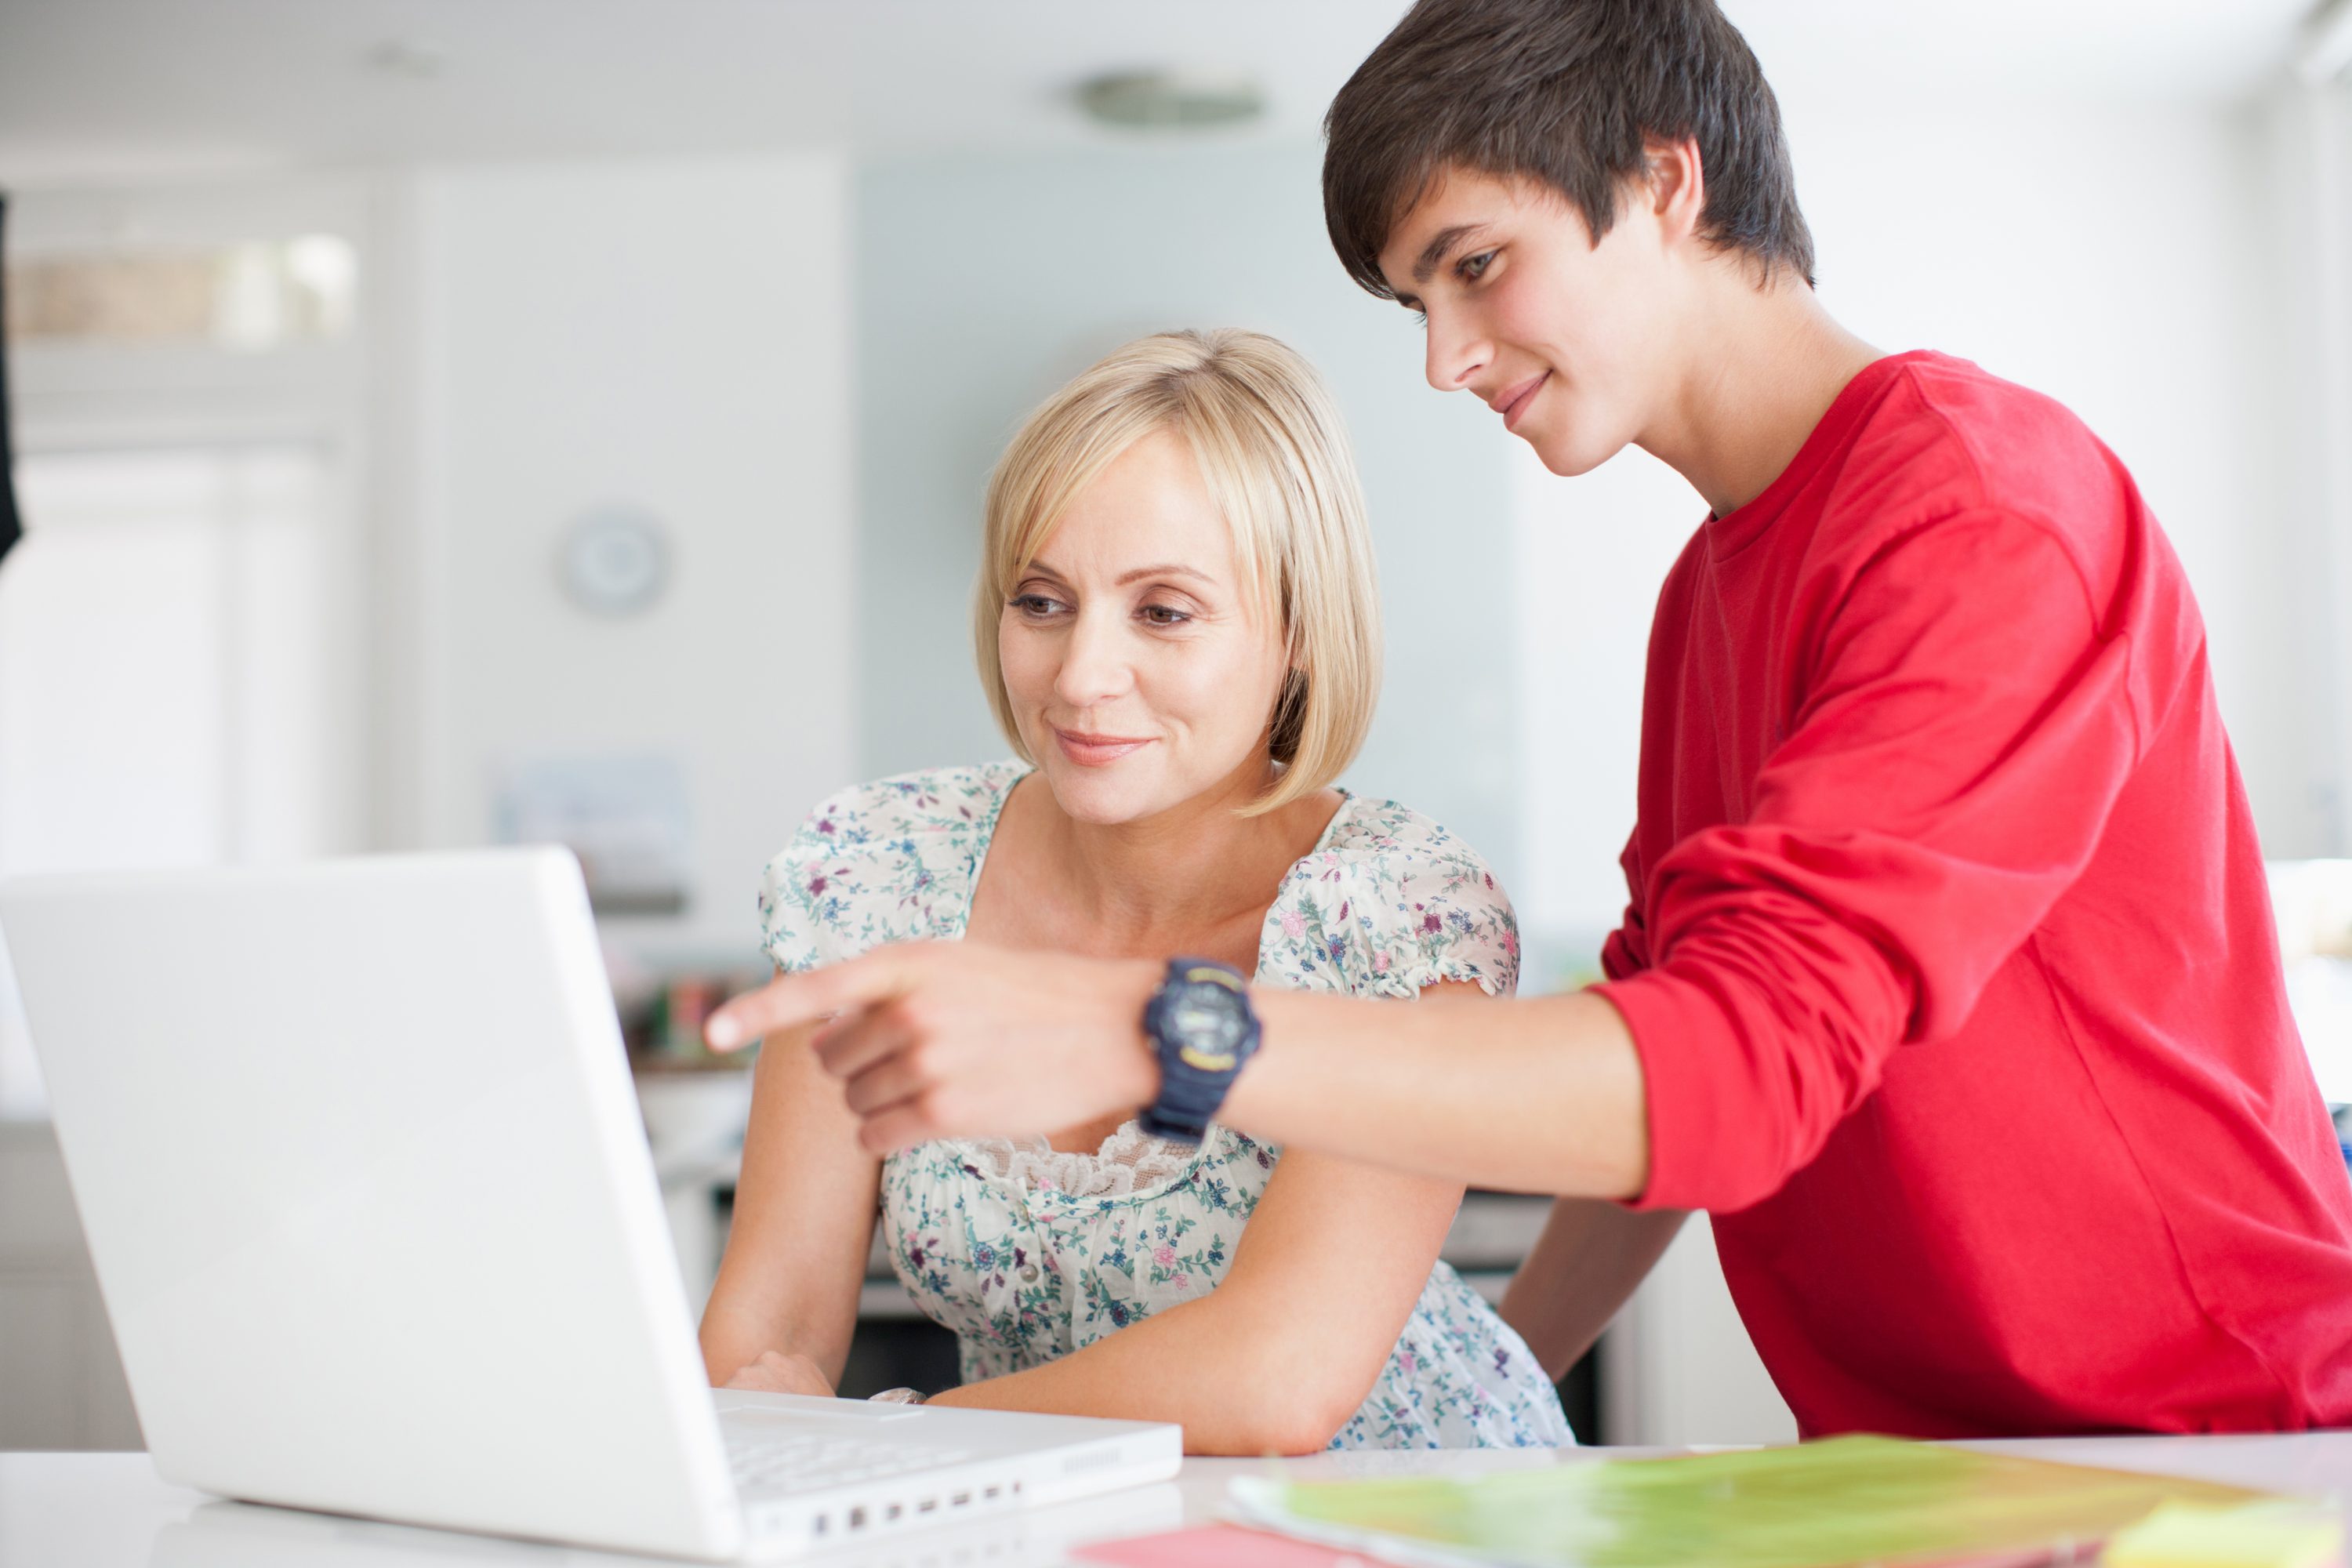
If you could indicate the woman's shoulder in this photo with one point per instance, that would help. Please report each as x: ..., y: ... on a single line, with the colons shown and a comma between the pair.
x: 887, y: 860
x: 1387, y: 839
x: 929, y: 802
x: 1392, y: 901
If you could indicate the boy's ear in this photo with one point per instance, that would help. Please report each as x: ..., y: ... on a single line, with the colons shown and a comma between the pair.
x: 1674, y: 183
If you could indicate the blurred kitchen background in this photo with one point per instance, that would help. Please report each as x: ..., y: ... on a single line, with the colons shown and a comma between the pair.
x: 445, y: 422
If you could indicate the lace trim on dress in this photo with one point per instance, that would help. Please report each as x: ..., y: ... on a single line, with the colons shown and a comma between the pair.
x: 1129, y: 1160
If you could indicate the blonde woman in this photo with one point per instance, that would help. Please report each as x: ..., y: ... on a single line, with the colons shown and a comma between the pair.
x: 1178, y: 628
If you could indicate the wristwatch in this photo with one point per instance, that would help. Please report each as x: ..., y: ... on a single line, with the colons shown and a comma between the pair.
x: 1202, y: 1029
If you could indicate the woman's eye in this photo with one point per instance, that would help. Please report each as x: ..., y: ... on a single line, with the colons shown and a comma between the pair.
x: 1033, y: 605
x: 1164, y: 615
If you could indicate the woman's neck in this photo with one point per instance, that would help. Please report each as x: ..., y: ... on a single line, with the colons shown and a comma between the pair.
x: 1181, y: 871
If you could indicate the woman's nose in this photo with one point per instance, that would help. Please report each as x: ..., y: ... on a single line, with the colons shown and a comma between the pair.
x: 1095, y: 667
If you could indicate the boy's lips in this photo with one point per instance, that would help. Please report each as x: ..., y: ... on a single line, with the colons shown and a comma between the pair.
x: 1514, y: 403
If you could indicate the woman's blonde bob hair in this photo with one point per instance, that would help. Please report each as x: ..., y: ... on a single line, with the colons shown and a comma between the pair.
x: 1274, y: 458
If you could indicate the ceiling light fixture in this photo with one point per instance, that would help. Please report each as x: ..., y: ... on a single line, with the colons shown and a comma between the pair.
x: 408, y: 59
x: 1172, y: 100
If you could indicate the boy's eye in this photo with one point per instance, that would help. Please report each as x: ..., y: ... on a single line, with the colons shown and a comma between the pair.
x: 1470, y: 268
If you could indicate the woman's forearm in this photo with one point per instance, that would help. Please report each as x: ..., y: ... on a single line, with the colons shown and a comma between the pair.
x: 1543, y: 1096
x: 804, y: 1206
x: 1235, y: 1379
x: 732, y: 1339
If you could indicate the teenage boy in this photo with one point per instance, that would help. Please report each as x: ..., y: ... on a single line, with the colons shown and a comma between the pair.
x: 1948, y: 983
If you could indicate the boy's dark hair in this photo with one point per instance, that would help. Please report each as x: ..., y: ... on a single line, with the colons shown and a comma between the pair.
x: 1565, y: 92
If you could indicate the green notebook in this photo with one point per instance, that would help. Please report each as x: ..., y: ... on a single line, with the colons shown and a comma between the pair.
x: 1817, y: 1505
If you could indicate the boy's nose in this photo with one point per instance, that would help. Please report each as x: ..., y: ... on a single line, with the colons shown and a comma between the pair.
x: 1453, y: 357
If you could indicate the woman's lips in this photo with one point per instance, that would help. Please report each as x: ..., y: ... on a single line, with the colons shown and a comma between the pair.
x: 1096, y: 751
x: 1517, y: 404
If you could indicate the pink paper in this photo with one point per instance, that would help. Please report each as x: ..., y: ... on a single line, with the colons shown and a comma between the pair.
x: 1217, y: 1546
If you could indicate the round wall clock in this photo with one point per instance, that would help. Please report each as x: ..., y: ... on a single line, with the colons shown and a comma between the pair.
x: 613, y: 561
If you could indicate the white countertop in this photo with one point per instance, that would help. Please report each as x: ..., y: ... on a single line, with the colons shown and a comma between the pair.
x: 111, y: 1510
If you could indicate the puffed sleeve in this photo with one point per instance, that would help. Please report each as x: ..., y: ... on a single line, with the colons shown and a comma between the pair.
x: 1398, y: 905
x: 805, y: 894
x: 892, y: 861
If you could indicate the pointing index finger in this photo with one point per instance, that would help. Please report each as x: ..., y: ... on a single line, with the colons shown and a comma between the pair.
x: 803, y: 998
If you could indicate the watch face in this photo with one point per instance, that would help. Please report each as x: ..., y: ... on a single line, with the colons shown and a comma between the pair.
x: 1209, y: 1020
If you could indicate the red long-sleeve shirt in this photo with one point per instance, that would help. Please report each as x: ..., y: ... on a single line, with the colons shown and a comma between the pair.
x: 1949, y: 957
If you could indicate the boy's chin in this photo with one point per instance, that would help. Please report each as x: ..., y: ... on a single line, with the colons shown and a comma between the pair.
x: 1570, y: 458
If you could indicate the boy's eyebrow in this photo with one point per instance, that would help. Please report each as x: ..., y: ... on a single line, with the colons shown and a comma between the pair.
x: 1433, y: 254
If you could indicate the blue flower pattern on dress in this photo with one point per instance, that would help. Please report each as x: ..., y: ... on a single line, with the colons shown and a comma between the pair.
x: 1024, y: 1268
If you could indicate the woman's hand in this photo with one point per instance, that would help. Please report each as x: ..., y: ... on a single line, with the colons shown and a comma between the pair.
x: 956, y: 1038
x: 776, y: 1372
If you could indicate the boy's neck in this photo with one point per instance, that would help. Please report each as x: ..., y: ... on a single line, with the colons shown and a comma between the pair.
x: 1760, y: 368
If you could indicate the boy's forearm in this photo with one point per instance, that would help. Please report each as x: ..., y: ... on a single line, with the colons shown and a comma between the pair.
x: 1543, y: 1096
x: 959, y: 1040
x: 1591, y: 1257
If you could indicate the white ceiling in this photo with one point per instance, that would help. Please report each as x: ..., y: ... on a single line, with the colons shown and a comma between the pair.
x: 93, y: 89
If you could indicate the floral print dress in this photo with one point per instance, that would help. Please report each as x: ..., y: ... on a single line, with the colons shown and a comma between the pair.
x: 1028, y: 1253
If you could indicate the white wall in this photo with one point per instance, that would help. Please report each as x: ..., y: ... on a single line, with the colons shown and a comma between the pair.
x: 1592, y: 553
x: 2307, y: 143
x: 672, y: 335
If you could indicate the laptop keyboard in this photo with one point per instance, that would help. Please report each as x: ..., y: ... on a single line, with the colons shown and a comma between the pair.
x: 777, y: 1464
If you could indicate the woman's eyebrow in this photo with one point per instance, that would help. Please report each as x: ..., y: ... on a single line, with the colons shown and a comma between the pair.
x: 1171, y: 570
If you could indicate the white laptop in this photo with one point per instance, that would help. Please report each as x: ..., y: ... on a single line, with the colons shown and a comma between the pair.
x: 361, y: 1171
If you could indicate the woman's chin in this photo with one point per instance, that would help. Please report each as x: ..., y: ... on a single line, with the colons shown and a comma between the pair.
x: 1102, y: 795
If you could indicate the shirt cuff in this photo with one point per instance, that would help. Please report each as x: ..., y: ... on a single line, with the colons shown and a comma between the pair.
x: 1676, y: 1029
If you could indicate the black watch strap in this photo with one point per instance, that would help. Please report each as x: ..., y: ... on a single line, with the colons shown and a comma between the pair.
x: 1203, y: 1030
